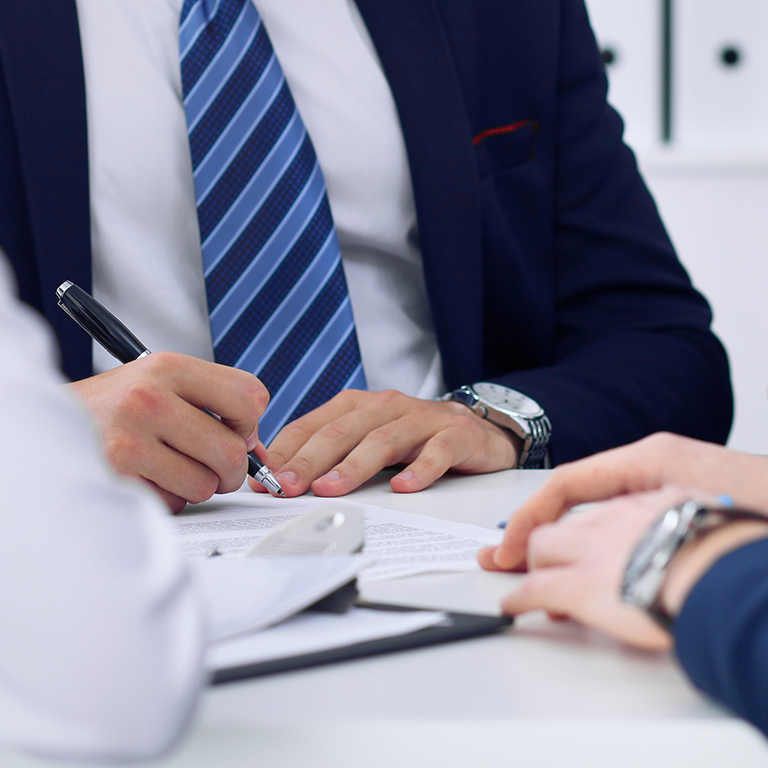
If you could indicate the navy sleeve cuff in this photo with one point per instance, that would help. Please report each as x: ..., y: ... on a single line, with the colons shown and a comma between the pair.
x: 722, y: 632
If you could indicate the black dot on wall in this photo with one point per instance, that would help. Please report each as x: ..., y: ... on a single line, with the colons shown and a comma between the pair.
x: 609, y: 56
x: 730, y: 56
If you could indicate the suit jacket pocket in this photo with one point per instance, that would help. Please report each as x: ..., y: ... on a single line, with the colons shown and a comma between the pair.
x: 506, y: 146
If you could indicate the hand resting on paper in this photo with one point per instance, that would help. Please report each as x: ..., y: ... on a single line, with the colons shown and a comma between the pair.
x: 646, y: 465
x: 338, y: 446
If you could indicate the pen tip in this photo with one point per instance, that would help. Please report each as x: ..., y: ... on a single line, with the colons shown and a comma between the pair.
x: 281, y: 492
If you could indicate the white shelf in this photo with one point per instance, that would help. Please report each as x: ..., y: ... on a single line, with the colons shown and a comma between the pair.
x: 678, y: 161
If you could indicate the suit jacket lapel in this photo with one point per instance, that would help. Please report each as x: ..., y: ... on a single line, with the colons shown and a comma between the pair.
x: 414, y: 52
x: 42, y: 61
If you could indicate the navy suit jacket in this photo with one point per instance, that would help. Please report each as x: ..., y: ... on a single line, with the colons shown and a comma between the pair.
x: 547, y: 266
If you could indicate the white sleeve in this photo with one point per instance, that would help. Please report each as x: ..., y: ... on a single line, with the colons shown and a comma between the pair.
x: 102, y: 634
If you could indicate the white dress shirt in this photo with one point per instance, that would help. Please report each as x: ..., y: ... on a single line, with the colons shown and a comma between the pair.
x: 147, y: 263
x: 103, y: 631
x: 104, y: 623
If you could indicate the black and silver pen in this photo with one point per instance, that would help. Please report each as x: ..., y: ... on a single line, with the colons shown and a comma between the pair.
x: 102, y: 326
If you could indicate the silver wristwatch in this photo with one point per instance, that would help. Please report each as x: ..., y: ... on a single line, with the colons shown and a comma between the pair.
x: 650, y: 562
x: 513, y: 410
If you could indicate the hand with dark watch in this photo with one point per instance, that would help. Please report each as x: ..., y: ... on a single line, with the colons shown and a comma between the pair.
x: 654, y: 555
x: 512, y: 410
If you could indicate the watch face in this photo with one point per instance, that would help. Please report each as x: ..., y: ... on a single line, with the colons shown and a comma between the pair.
x: 507, y: 399
x: 653, y: 540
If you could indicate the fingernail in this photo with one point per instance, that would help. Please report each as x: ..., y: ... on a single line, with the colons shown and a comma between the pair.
x: 252, y: 441
x: 486, y: 552
x: 287, y: 478
x: 406, y: 475
x: 332, y: 477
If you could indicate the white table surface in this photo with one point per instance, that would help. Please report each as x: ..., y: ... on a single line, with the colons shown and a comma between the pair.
x: 541, y: 694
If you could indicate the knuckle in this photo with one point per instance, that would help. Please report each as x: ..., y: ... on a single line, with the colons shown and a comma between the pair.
x: 466, y: 423
x: 233, y: 453
x: 648, y: 458
x: 346, y: 400
x: 348, y: 397
x: 159, y: 366
x: 254, y: 394
x: 443, y: 442
x: 155, y: 362
x: 299, y: 430
x: 386, y: 398
x: 660, y: 441
x: 159, y: 361
x: 335, y: 431
x: 276, y: 458
x: 385, y: 436
x: 122, y: 449
x: 302, y: 465
x: 204, y: 484
x: 286, y: 444
x: 144, y: 399
x: 385, y: 443
x: 429, y: 465
x: 353, y: 467
x: 560, y: 477
x: 453, y: 407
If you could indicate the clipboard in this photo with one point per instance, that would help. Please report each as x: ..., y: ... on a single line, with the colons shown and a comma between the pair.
x: 456, y: 626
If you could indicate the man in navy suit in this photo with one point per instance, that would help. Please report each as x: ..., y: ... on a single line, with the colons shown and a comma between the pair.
x: 494, y: 228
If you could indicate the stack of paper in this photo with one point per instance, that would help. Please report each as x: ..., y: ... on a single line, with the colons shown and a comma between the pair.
x: 247, y: 595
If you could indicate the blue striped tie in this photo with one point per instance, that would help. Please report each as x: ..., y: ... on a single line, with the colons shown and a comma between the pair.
x: 277, y: 295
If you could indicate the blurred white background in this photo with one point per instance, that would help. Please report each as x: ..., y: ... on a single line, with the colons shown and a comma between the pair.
x: 704, y: 153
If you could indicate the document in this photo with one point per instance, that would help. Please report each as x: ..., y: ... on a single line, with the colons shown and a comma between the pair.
x: 250, y: 595
x: 396, y: 543
x: 404, y: 544
x: 311, y: 632
x: 246, y: 595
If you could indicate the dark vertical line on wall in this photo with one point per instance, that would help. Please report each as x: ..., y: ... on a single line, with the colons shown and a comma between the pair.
x: 666, y: 70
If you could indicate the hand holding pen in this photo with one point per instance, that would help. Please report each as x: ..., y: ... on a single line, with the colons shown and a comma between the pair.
x: 187, y: 452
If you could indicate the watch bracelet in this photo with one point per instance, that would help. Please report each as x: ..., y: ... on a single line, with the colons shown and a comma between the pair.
x: 534, y: 457
x: 695, y: 533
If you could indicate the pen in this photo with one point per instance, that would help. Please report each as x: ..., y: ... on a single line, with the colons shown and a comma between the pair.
x: 102, y: 326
